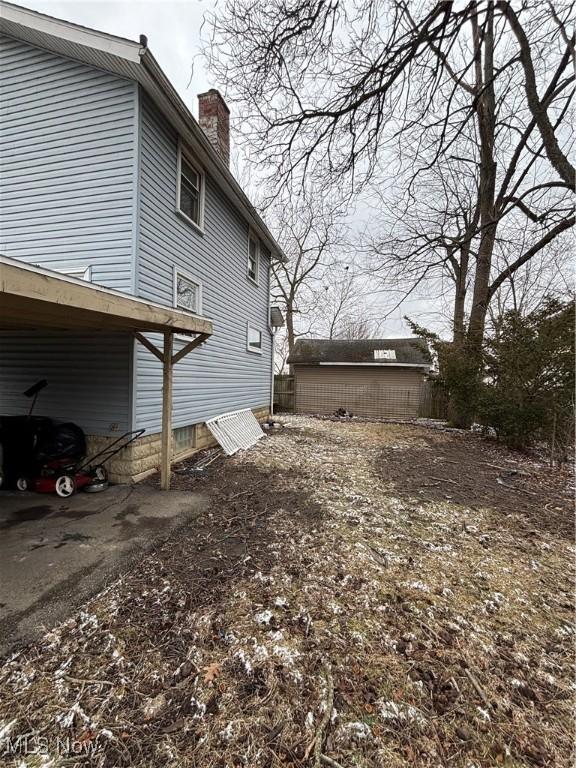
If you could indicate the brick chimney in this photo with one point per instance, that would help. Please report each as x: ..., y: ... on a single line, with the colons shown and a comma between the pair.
x: 214, y: 119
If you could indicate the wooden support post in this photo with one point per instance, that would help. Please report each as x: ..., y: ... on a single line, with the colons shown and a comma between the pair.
x: 167, y: 369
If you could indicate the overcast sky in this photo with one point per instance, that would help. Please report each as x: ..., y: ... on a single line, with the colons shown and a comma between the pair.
x: 173, y: 30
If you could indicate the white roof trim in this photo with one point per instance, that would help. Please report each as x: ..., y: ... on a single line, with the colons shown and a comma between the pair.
x: 134, y: 61
x: 73, y: 33
x: 387, y: 364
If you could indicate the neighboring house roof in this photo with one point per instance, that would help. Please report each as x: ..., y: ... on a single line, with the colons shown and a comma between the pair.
x: 411, y: 352
x: 276, y: 317
x: 134, y: 61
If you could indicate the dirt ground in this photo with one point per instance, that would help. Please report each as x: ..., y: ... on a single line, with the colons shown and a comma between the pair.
x: 356, y: 594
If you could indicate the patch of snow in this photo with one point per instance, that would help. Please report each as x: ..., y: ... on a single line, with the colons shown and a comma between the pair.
x: 484, y: 714
x: 264, y: 617
x: 5, y: 728
x: 400, y: 713
x: 227, y: 734
x: 416, y: 585
x: 66, y: 720
x: 287, y: 655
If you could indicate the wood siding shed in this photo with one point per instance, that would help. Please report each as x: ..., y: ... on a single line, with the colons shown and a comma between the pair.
x: 369, y: 391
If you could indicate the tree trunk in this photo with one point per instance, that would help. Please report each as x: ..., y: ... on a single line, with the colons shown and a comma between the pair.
x: 485, y: 114
x: 459, y: 327
x: 290, y: 331
x: 470, y: 353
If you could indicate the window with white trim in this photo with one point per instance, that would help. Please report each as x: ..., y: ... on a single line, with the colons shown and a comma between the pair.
x: 254, y: 339
x: 253, y: 258
x: 190, y: 189
x: 187, y: 292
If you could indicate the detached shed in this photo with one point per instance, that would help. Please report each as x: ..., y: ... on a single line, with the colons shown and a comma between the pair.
x: 366, y: 377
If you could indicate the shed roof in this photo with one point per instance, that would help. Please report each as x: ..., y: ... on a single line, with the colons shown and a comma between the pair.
x: 411, y: 351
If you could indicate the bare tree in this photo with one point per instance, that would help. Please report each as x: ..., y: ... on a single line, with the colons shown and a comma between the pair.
x: 332, y: 91
x: 328, y: 88
x: 343, y: 306
x: 311, y: 235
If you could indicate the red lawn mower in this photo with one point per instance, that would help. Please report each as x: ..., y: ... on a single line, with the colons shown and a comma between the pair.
x: 61, y: 466
x: 41, y: 455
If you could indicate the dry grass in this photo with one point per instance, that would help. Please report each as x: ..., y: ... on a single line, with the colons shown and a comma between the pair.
x: 446, y: 630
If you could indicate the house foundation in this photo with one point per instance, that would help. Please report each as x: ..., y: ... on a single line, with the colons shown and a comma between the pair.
x: 143, y: 457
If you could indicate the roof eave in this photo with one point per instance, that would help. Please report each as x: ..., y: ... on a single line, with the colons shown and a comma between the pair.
x: 185, y: 122
x: 388, y: 364
x: 129, y: 59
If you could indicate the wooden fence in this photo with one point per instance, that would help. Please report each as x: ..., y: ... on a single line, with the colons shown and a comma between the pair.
x: 434, y: 403
x: 284, y: 393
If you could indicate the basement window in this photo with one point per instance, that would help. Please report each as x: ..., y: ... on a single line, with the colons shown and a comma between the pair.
x: 254, y: 340
x: 187, y: 293
x: 253, y: 258
x: 184, y: 438
x: 384, y: 354
x: 190, y: 190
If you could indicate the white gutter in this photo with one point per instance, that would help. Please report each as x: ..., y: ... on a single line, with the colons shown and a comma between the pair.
x: 373, y: 365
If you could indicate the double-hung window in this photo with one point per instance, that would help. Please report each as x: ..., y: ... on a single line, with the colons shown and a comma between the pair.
x: 187, y: 293
x: 253, y: 258
x: 190, y: 190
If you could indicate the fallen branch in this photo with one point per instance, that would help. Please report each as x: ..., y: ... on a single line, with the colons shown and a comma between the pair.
x: 328, y: 761
x: 477, y: 687
x: 513, y: 488
x: 326, y: 718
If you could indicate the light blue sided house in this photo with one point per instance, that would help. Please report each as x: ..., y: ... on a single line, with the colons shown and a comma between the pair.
x: 134, y: 273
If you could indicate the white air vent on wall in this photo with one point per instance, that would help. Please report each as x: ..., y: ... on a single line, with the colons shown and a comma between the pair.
x: 384, y: 354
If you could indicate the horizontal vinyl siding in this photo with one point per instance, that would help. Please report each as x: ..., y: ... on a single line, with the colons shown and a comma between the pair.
x: 88, y: 378
x: 221, y: 375
x: 362, y: 390
x: 67, y: 164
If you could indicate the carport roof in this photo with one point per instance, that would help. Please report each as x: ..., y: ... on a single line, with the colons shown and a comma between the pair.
x: 37, y: 298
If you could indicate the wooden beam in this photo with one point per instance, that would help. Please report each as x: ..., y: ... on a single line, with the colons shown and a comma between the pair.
x: 42, y: 292
x: 200, y: 339
x: 149, y: 346
x: 167, y: 369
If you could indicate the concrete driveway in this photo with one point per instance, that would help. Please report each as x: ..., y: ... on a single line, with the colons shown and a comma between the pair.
x: 55, y: 553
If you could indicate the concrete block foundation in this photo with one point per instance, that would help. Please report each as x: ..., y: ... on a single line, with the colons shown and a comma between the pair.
x: 142, y: 457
